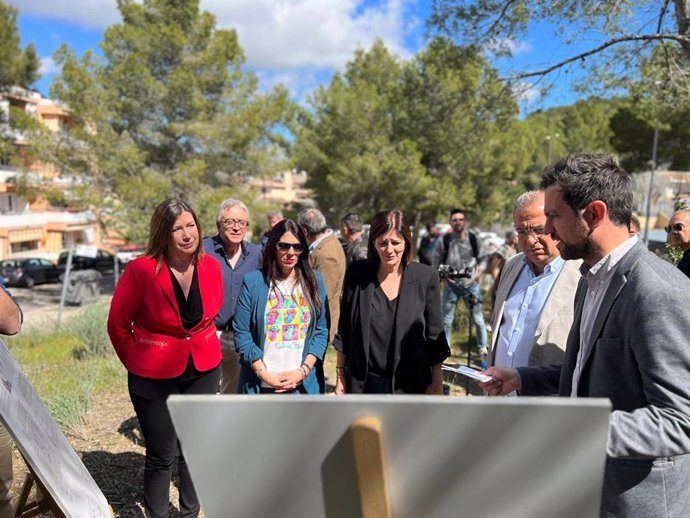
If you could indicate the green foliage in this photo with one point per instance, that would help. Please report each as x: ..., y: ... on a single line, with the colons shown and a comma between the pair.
x: 624, y: 33
x: 65, y: 383
x: 420, y: 135
x: 167, y: 111
x: 90, y: 326
x: 17, y: 67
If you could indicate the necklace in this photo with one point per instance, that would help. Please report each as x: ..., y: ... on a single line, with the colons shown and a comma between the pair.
x: 178, y: 269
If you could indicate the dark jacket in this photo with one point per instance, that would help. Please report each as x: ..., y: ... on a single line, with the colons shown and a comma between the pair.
x: 420, y: 341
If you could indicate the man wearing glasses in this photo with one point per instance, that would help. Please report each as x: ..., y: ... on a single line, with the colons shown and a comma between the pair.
x: 534, y: 307
x: 628, y: 341
x: 678, y: 230
x: 237, y: 257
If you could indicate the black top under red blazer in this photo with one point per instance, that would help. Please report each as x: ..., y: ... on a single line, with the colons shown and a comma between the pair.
x: 419, y: 341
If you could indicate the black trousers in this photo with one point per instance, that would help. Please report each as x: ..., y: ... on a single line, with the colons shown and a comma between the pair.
x: 162, y: 447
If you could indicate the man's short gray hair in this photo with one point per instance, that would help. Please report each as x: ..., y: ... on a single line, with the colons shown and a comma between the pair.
x: 527, y: 198
x: 275, y: 214
x: 312, y: 221
x: 352, y: 221
x: 227, y: 204
x: 682, y: 211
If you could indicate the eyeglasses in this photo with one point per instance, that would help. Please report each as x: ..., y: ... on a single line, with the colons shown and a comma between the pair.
x: 524, y: 232
x: 234, y: 222
x: 678, y: 227
x: 284, y: 247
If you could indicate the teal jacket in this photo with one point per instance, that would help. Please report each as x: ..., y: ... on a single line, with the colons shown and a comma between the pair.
x: 248, y: 325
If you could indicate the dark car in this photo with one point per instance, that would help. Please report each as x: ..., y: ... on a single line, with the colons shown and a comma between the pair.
x: 29, y: 271
x: 103, y: 262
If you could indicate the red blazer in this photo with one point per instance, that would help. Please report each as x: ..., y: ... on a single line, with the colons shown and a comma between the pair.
x: 145, y: 327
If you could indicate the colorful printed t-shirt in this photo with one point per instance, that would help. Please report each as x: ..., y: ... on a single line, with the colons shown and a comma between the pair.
x: 286, y: 320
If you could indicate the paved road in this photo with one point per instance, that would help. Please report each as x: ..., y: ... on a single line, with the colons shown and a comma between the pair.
x: 41, y: 303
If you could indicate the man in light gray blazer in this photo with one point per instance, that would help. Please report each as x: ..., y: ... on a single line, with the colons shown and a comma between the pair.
x: 534, y: 305
x: 628, y: 342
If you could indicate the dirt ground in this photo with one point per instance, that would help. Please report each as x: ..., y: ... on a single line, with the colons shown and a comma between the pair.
x: 110, y: 444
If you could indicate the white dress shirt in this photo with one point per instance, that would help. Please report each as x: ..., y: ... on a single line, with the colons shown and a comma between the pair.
x: 598, y: 279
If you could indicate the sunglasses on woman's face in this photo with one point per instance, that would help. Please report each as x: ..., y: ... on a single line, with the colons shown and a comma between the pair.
x: 678, y: 227
x: 284, y: 247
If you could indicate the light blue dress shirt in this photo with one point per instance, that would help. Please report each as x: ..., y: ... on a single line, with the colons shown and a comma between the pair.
x: 522, y: 312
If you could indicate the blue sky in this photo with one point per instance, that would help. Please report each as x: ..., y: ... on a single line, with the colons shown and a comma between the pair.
x: 298, y: 43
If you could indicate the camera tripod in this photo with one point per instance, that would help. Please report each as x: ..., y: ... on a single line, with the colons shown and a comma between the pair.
x: 472, y: 301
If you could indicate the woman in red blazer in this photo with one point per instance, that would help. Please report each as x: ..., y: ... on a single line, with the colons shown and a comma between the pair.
x: 161, y: 324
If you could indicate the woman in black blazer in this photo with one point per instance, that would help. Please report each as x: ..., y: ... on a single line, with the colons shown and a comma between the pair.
x: 390, y: 334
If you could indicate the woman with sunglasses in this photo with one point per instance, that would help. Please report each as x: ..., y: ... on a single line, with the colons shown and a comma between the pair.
x: 390, y: 334
x: 280, y: 323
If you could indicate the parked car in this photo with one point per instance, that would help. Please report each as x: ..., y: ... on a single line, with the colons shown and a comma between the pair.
x: 104, y: 261
x: 29, y: 271
x: 128, y: 252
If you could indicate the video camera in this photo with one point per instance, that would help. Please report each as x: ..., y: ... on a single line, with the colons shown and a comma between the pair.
x: 445, y: 271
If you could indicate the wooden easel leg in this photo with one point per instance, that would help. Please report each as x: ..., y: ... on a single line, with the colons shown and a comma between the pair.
x: 42, y: 503
x: 370, y: 467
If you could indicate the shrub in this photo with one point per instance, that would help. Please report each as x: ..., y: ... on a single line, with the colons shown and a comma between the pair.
x: 90, y: 326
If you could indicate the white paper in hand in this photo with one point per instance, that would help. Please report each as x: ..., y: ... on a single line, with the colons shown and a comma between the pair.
x: 469, y: 372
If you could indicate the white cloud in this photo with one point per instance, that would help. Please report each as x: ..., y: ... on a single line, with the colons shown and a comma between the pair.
x: 511, y: 46
x: 288, y: 41
x: 287, y: 34
x: 48, y: 66
x: 275, y: 34
x: 528, y: 93
x: 90, y: 14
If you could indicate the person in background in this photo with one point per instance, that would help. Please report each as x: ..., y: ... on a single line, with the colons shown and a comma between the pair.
x: 327, y: 257
x: 390, y: 335
x: 11, y: 319
x: 273, y: 216
x: 634, y: 229
x: 628, y: 343
x: 356, y: 245
x: 504, y: 252
x: 281, y: 324
x: 678, y: 231
x: 428, y: 243
x: 236, y: 257
x: 534, y: 308
x: 161, y: 324
x: 463, y: 251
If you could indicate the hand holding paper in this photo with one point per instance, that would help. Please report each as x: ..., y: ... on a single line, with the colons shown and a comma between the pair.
x: 469, y: 372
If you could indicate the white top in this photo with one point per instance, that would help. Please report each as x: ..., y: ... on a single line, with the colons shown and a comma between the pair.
x: 598, y: 278
x: 286, y: 322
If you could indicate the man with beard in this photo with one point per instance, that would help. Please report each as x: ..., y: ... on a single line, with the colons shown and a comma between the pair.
x: 628, y: 342
x: 533, y: 311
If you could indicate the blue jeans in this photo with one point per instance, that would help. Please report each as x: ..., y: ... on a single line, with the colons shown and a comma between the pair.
x: 451, y: 294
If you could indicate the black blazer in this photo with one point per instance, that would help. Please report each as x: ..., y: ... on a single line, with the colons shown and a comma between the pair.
x: 420, y: 341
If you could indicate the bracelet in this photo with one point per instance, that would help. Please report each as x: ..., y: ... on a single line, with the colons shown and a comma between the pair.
x: 304, y: 371
x: 306, y: 365
x: 340, y: 368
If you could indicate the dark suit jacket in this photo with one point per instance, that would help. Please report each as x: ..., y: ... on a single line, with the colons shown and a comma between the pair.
x: 640, y: 361
x: 419, y: 342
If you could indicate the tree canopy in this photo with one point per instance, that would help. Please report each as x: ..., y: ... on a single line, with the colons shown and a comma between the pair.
x: 422, y: 135
x: 18, y: 67
x: 624, y: 33
x: 167, y: 111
